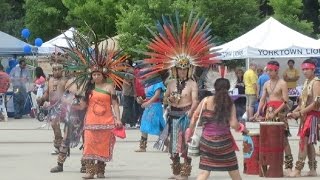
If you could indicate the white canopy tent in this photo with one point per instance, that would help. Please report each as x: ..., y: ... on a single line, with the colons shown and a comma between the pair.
x: 52, y: 45
x: 270, y: 39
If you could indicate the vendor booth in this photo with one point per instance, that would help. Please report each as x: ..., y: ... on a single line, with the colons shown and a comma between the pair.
x: 52, y: 45
x: 270, y: 39
x: 11, y: 46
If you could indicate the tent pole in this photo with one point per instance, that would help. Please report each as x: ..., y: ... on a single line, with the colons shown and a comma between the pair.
x: 247, y: 63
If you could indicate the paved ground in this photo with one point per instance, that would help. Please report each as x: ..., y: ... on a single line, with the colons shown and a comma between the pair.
x: 25, y: 154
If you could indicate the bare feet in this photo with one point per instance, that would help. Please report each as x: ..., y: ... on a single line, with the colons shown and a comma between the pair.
x: 295, y: 173
x: 312, y: 173
x: 287, y: 172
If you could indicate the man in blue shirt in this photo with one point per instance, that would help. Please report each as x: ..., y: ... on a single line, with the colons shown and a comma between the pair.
x: 19, y: 75
x: 261, y: 80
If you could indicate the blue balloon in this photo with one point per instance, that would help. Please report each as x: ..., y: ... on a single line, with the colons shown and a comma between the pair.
x: 27, y: 49
x: 25, y: 33
x: 38, y: 42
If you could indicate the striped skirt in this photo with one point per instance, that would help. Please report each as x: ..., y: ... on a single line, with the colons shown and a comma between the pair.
x: 217, y: 153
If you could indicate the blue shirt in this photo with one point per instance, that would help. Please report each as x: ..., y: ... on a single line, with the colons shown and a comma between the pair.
x: 261, y: 80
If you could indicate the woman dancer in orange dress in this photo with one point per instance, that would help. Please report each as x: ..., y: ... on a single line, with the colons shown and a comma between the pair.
x: 99, y: 140
x: 99, y: 70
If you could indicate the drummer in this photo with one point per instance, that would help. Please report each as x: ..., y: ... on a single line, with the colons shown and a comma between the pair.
x: 276, y: 91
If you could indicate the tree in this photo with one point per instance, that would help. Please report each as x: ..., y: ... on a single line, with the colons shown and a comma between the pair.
x: 265, y: 8
x: 45, y: 18
x: 99, y: 15
x: 288, y: 12
x: 134, y: 18
x: 310, y: 12
x: 11, y: 18
x: 231, y: 18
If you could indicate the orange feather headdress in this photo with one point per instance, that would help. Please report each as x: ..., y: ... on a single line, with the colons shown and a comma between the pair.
x: 176, y: 45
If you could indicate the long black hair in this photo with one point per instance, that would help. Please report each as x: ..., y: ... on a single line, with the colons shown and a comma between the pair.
x: 89, y: 87
x: 39, y: 72
x: 222, y: 101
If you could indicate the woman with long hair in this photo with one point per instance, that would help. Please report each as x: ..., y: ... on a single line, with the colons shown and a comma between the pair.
x: 100, y: 71
x: 217, y: 145
x: 39, y: 81
x: 101, y: 99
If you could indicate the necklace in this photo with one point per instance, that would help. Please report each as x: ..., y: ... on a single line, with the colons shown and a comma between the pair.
x: 181, y: 84
x: 272, y: 89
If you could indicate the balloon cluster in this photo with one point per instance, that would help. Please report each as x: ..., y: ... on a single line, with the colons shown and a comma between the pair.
x: 25, y: 33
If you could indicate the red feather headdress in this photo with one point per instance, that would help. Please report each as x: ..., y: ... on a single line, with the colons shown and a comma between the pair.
x: 180, y: 45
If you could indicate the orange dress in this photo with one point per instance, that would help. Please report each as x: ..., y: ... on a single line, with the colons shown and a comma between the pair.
x: 99, y: 122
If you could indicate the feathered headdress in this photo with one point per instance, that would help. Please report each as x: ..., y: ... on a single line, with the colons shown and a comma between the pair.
x: 177, y: 45
x: 58, y: 59
x: 220, y: 72
x: 85, y: 58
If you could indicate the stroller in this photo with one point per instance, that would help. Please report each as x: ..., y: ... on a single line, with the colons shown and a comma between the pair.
x: 42, y: 113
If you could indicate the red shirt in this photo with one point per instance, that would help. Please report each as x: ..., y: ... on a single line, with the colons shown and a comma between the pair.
x: 4, y: 82
x: 139, y: 88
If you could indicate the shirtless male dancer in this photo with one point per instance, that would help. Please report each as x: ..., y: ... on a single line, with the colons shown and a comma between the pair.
x: 56, y: 88
x: 308, y: 111
x: 277, y: 93
x: 73, y: 124
x: 182, y: 98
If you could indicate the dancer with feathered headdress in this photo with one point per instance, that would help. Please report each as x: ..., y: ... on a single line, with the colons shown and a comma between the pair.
x: 53, y: 94
x: 178, y: 48
x: 98, y: 70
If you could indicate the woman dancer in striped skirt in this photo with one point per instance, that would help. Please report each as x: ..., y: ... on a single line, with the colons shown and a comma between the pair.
x: 217, y: 146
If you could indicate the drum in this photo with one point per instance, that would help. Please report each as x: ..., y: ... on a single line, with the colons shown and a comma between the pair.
x: 271, y: 149
x: 251, y: 153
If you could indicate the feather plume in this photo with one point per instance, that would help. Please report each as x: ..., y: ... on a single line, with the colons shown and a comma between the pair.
x: 213, y: 75
x: 85, y: 58
x: 178, y: 40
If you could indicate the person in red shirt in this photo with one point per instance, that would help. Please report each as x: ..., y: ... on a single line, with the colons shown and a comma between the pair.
x: 139, y: 94
x: 5, y: 84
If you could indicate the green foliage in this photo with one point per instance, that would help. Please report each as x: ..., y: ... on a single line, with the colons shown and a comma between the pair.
x: 230, y: 18
x: 100, y: 15
x: 45, y: 18
x: 11, y: 17
x: 131, y: 27
x: 134, y: 18
x: 288, y: 12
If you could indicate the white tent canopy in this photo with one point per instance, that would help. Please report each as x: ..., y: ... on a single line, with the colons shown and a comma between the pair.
x: 52, y: 45
x: 270, y: 39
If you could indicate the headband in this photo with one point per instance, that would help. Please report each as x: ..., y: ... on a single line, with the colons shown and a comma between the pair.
x: 272, y: 67
x: 308, y: 66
